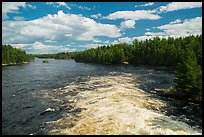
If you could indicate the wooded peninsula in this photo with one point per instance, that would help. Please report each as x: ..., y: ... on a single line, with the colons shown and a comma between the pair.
x: 12, y: 56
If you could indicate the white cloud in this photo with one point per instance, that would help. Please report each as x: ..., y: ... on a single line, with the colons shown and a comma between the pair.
x: 50, y: 40
x: 125, y: 39
x: 173, y: 6
x: 178, y: 28
x: 133, y: 15
x: 84, y: 8
x: 96, y: 16
x: 174, y: 29
x: 58, y: 4
x: 154, y: 33
x: 145, y: 5
x: 81, y: 7
x: 127, y: 24
x: 147, y: 29
x: 131, y: 39
x: 11, y: 7
x: 40, y: 48
x: 18, y: 18
x: 143, y: 38
x: 97, y: 41
x: 176, y: 21
x: 68, y: 35
x: 115, y: 42
x: 148, y: 4
x: 31, y: 6
x: 59, y: 27
x: 88, y: 46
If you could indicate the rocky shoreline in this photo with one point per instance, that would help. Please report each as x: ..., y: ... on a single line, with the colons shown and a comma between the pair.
x: 171, y: 93
x: 11, y: 64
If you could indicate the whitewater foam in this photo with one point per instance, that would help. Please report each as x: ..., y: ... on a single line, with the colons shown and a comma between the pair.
x: 119, y: 108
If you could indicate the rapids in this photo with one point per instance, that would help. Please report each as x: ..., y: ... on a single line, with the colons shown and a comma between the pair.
x: 113, y: 105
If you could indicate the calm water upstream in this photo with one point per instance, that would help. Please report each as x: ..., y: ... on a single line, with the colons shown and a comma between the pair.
x: 25, y: 110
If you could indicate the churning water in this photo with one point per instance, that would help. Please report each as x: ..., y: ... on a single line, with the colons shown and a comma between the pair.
x: 65, y: 97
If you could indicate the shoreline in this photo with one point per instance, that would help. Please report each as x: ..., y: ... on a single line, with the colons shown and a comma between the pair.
x: 171, y: 93
x: 12, y: 64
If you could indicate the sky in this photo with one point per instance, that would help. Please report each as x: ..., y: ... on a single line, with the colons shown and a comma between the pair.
x: 53, y: 27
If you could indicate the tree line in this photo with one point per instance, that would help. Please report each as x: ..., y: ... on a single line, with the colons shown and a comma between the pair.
x: 160, y: 52
x: 184, y: 54
x: 62, y: 55
x: 12, y: 55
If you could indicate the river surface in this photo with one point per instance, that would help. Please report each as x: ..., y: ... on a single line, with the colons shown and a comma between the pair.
x: 36, y: 95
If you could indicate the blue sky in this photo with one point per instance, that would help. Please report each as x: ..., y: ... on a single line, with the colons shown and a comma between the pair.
x: 52, y: 27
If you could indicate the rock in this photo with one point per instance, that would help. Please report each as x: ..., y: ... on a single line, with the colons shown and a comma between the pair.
x: 47, y: 110
x: 126, y: 63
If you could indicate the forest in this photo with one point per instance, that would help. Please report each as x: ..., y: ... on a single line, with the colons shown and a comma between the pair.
x: 12, y: 55
x: 183, y: 54
x: 159, y: 52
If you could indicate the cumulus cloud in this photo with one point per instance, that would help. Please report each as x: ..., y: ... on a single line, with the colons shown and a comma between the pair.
x: 173, y: 29
x: 81, y: 7
x: 178, y: 28
x: 139, y: 38
x: 115, y: 42
x: 145, y: 5
x: 127, y: 24
x: 96, y: 16
x: 18, y: 18
x: 31, y: 6
x: 88, y: 46
x: 40, y: 48
x: 173, y: 6
x: 58, y: 4
x: 131, y: 39
x: 11, y: 7
x: 84, y: 8
x: 125, y: 40
x: 59, y: 27
x: 97, y: 41
x: 133, y: 15
x: 176, y: 21
x: 148, y: 4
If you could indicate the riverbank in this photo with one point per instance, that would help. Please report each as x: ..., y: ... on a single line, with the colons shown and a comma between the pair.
x: 11, y: 64
x: 171, y: 93
x: 113, y: 105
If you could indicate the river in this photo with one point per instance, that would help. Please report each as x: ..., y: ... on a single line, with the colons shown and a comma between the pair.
x: 65, y: 97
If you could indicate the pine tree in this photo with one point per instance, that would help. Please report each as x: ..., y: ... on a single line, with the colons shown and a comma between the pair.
x: 188, y: 82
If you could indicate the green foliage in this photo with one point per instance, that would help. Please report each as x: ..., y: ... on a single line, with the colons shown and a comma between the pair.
x: 63, y: 55
x: 184, y: 54
x: 45, y: 55
x: 188, y: 82
x: 160, y: 52
x: 14, y: 55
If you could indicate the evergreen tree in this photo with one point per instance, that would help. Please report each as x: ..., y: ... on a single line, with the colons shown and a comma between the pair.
x: 188, y: 82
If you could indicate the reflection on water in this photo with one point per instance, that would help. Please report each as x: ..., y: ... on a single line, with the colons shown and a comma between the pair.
x: 63, y: 96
